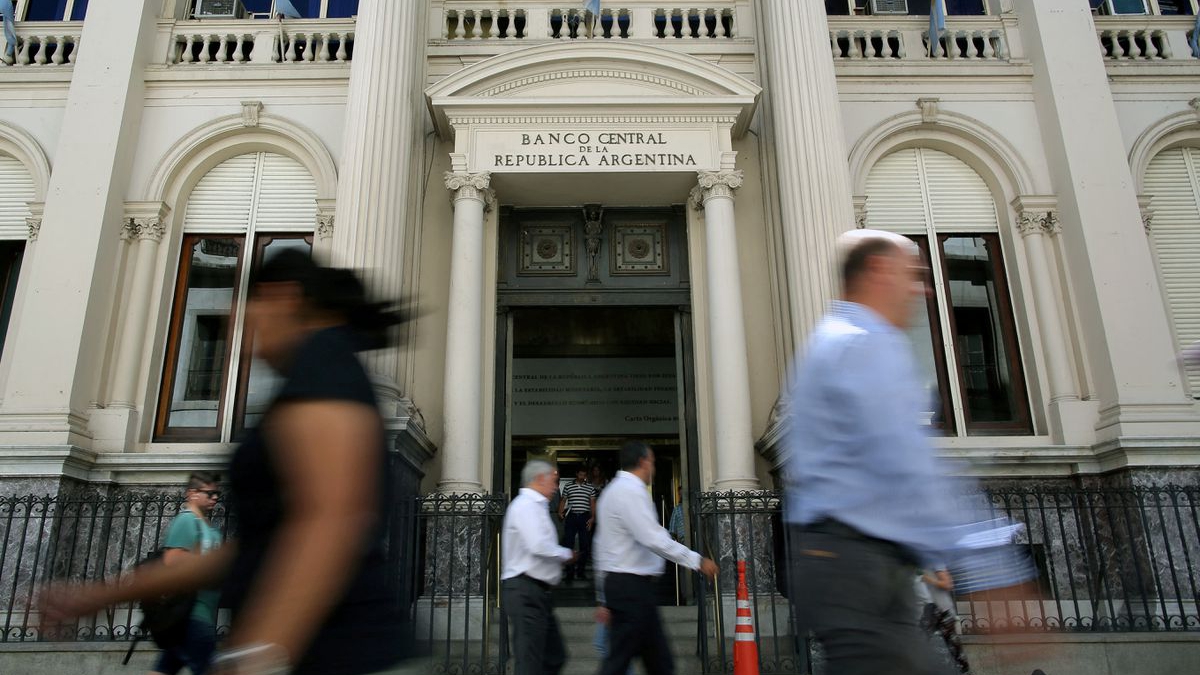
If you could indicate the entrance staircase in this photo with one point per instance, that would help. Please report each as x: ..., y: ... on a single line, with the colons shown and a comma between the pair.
x: 578, y: 627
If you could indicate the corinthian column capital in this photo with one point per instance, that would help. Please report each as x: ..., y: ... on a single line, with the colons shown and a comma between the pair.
x: 471, y: 186
x: 712, y: 184
x: 1031, y: 222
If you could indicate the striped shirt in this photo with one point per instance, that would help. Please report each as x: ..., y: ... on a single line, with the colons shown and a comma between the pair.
x: 579, y: 497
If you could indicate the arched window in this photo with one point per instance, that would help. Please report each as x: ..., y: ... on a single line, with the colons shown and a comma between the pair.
x: 965, y: 338
x: 243, y: 211
x: 1173, y: 183
x: 16, y: 191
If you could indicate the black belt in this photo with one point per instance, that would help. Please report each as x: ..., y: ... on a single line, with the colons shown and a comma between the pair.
x: 630, y: 575
x: 837, y: 528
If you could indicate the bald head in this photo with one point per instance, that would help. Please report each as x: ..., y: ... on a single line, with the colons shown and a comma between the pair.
x: 856, y: 247
x: 883, y: 271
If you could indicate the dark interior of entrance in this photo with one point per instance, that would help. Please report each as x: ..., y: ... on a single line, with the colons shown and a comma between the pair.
x: 594, y: 350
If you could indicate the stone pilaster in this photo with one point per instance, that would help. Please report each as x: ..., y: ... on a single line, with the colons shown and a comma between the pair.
x: 145, y: 225
x: 463, y: 403
x: 1129, y: 347
x: 55, y: 358
x: 734, y: 449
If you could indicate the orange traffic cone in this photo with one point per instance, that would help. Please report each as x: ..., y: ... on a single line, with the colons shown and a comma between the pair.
x: 745, y: 647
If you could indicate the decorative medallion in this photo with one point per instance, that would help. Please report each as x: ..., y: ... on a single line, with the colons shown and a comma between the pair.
x: 640, y: 249
x: 547, y: 249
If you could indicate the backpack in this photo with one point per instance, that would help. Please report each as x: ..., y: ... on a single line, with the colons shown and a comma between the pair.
x: 165, y: 617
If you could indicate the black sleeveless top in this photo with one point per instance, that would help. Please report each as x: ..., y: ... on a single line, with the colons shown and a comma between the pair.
x: 364, y: 631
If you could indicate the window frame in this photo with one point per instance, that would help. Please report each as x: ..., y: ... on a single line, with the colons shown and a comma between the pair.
x: 1022, y: 422
x: 162, y: 429
x: 22, y: 9
x: 323, y: 13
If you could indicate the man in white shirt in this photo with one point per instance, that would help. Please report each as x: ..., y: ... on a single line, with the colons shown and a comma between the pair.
x: 630, y: 548
x: 533, y: 563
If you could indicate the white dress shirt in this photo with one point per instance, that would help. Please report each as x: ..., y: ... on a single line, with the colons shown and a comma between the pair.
x: 629, y: 539
x: 530, y: 540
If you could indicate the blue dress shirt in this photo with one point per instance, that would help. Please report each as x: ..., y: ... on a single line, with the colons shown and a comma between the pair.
x: 857, y: 451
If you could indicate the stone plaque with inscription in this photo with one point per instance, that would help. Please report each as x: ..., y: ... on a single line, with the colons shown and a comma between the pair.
x: 593, y: 150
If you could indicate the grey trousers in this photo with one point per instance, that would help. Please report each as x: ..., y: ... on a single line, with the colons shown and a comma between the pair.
x: 537, y: 645
x: 856, y: 595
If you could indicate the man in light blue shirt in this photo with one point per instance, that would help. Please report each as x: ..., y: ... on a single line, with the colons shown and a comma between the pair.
x: 867, y: 499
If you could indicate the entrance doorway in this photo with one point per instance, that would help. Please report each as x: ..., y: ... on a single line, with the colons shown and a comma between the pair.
x: 595, y: 356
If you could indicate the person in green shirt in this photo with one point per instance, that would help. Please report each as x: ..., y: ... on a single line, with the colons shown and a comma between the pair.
x: 190, y: 534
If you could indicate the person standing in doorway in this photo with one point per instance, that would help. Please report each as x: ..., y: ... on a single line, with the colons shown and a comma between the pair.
x: 191, y: 533
x: 631, y: 547
x: 532, y: 565
x: 867, y: 500
x: 577, y: 508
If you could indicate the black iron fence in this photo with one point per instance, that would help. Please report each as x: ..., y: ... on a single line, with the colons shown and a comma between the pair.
x: 77, y: 538
x: 1108, y: 560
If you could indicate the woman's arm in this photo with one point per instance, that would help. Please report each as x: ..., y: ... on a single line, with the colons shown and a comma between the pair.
x: 328, y: 465
x: 62, y: 602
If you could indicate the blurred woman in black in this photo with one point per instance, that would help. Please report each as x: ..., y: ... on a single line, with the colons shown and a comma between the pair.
x: 306, y: 576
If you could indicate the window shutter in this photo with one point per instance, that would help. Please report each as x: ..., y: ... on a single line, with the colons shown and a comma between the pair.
x: 222, y: 200
x: 958, y: 198
x: 16, y: 191
x: 287, y: 196
x: 1173, y: 183
x: 895, y: 201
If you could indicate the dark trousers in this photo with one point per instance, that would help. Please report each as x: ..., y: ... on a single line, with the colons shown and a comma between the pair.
x: 537, y: 644
x: 576, y: 526
x: 636, y: 628
x: 856, y: 595
x: 196, y: 652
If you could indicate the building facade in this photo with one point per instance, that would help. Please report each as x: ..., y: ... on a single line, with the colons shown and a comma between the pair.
x: 610, y: 227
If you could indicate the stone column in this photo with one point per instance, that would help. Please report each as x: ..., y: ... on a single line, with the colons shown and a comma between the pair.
x: 55, y: 356
x: 463, y: 403
x: 727, y: 332
x: 1129, y: 347
x: 810, y: 154
x: 376, y: 185
x: 1035, y: 219
x: 145, y: 231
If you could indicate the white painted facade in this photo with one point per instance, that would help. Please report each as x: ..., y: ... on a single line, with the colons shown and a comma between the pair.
x: 768, y: 125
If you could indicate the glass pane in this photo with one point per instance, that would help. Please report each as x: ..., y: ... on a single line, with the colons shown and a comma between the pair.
x: 45, y: 10
x: 966, y: 7
x: 1170, y: 7
x: 342, y: 8
x: 926, y: 344
x: 11, y: 253
x: 980, y: 335
x: 257, y: 6
x: 1128, y: 6
x: 203, y: 333
x: 79, y: 10
x: 837, y: 7
x: 262, y: 382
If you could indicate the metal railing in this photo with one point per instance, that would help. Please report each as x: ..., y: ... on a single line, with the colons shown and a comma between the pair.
x: 1109, y: 560
x: 77, y: 538
x: 454, y: 575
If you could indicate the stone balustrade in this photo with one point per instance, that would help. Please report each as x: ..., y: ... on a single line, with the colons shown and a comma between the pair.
x: 901, y: 38
x: 1145, y: 38
x: 44, y: 43
x: 476, y: 20
x: 194, y: 43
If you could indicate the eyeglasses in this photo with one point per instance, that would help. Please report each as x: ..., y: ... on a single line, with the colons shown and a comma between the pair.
x: 212, y: 494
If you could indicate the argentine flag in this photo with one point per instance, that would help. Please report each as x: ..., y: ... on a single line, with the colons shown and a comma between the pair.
x: 592, y: 6
x: 10, y: 33
x: 286, y: 8
x: 937, y: 24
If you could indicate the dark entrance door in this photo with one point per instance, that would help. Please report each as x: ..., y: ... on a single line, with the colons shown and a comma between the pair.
x: 594, y: 348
